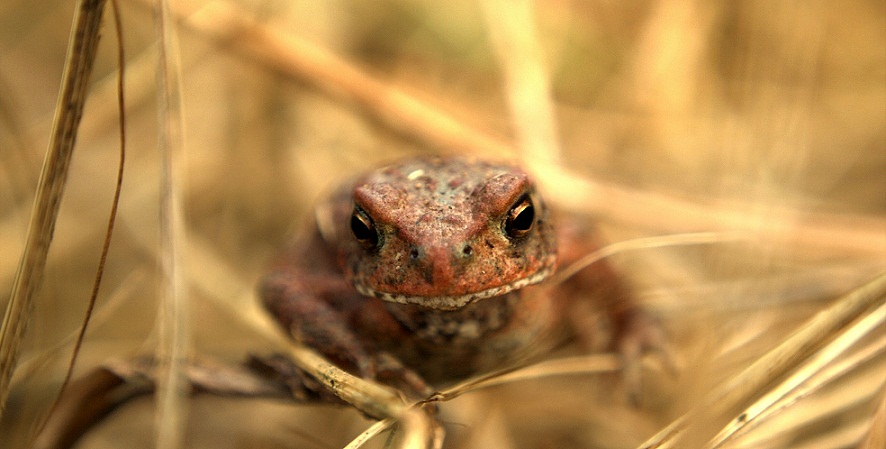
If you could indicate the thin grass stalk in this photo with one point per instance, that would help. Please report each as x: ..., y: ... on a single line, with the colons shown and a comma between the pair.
x: 511, y: 26
x: 83, y: 44
x: 112, y: 220
x: 378, y: 401
x: 822, y: 369
x: 173, y: 317
x: 580, y: 365
x: 699, y: 424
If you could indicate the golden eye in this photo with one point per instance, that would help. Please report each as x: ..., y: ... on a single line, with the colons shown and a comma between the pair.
x: 363, y: 229
x: 520, y: 218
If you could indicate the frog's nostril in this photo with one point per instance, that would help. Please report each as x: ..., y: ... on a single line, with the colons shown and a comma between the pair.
x: 414, y: 254
x: 439, y: 263
x: 467, y: 250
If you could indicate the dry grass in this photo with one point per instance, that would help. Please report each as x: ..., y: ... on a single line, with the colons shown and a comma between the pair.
x: 760, y: 122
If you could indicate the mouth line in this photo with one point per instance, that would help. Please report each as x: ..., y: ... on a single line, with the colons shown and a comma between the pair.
x: 452, y: 302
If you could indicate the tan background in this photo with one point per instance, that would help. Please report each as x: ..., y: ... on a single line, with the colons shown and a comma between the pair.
x: 767, y: 116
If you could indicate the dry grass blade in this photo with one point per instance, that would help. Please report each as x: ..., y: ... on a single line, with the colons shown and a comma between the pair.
x: 417, y: 433
x: 818, y: 372
x: 78, y: 67
x: 173, y: 325
x: 112, y: 218
x: 368, y: 397
x: 729, y: 398
x: 696, y: 238
x: 515, y: 38
x: 595, y: 363
x: 417, y: 424
x: 370, y: 433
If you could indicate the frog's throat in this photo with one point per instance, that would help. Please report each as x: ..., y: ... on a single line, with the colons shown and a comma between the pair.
x: 452, y: 302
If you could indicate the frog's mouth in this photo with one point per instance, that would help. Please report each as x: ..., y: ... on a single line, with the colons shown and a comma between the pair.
x: 452, y: 302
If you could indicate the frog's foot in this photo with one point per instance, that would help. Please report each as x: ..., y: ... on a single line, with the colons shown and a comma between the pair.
x: 638, y: 334
x: 391, y: 371
x: 281, y: 369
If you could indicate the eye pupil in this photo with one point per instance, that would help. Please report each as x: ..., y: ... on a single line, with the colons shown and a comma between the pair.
x: 520, y: 219
x: 364, y: 229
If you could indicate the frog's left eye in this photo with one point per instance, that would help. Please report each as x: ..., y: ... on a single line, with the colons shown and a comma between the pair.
x: 364, y: 229
x: 520, y: 218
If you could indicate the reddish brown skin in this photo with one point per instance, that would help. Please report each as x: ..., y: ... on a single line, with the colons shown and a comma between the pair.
x: 425, y: 213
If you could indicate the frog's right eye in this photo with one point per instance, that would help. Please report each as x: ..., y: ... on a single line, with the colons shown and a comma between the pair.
x: 520, y: 218
x: 364, y: 229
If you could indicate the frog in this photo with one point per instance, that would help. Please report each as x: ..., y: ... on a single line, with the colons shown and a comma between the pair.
x: 432, y: 269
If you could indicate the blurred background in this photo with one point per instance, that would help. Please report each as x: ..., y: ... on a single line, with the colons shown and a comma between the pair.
x: 763, y: 117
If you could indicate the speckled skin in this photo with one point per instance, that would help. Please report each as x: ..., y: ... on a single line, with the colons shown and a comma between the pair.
x: 428, y: 269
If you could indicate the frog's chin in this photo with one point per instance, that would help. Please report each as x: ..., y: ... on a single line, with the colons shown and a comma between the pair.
x: 452, y: 302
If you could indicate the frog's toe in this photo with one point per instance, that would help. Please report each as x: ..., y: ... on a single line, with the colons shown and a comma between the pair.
x: 281, y: 369
x: 390, y: 370
x: 642, y: 335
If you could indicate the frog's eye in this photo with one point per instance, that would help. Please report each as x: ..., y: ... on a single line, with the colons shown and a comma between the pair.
x: 364, y: 229
x: 520, y: 218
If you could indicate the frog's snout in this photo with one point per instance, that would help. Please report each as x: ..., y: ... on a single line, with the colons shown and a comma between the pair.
x: 440, y: 267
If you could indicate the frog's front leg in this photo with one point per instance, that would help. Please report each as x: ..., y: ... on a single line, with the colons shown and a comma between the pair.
x: 296, y: 300
x: 319, y: 310
x: 635, y: 331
